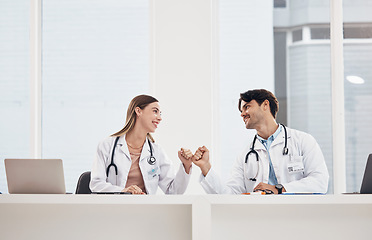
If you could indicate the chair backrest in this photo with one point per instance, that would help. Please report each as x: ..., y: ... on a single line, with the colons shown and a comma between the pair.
x: 83, y: 184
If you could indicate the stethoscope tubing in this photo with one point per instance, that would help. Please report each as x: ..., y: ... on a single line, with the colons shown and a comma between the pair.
x: 151, y: 160
x: 252, y: 150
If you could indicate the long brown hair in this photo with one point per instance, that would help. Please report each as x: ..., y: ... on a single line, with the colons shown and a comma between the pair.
x: 140, y: 101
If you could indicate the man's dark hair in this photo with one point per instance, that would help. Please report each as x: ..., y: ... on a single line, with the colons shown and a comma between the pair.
x: 260, y: 95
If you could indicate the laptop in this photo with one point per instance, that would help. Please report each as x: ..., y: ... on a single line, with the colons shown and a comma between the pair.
x: 35, y: 176
x: 366, y: 187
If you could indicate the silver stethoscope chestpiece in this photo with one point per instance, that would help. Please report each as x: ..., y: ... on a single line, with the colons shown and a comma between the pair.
x: 151, y: 160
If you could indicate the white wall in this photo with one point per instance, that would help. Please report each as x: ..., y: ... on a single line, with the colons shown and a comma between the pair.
x: 183, y: 75
x: 185, y: 50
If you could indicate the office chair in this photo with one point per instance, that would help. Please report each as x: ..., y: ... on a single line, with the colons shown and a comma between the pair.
x: 83, y: 184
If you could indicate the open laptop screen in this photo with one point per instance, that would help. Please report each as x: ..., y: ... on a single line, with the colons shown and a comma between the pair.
x: 367, y: 178
x: 35, y: 176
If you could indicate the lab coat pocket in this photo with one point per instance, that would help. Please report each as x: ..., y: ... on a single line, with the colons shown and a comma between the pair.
x: 295, y: 165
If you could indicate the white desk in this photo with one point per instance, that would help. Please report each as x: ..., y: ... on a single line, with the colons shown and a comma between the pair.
x: 292, y: 217
x: 54, y: 217
x: 185, y: 217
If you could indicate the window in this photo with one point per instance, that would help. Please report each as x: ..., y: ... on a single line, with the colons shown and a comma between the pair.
x: 89, y: 46
x: 14, y: 82
x: 358, y: 96
x: 280, y: 3
x: 307, y: 72
x: 357, y: 31
x: 300, y: 76
x: 280, y: 59
x: 246, y: 62
x: 320, y: 33
x: 297, y: 35
x: 95, y: 60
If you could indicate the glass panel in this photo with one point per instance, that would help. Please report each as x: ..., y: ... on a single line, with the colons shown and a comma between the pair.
x: 320, y: 33
x: 14, y: 82
x: 297, y: 35
x: 280, y: 54
x: 358, y: 89
x: 280, y: 3
x: 95, y: 60
x: 307, y: 73
x: 300, y: 76
x: 309, y: 80
x: 358, y: 32
x: 309, y: 96
x: 246, y: 62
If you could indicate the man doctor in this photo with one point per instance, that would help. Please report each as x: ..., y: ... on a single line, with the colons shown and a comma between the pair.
x: 278, y: 159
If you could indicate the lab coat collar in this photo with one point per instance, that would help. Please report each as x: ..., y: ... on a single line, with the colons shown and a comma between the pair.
x: 281, y: 137
x: 123, y: 146
x: 145, y: 153
x: 278, y: 140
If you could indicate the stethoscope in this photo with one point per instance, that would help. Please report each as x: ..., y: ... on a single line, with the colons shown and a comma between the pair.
x: 285, y: 152
x: 151, y: 160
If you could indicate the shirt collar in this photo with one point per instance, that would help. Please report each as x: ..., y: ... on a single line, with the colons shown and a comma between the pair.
x: 273, y: 136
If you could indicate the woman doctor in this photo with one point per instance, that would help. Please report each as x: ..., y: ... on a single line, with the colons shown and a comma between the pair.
x: 136, y: 164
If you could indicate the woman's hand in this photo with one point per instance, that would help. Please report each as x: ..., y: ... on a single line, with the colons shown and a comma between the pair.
x: 134, y: 189
x: 185, y: 156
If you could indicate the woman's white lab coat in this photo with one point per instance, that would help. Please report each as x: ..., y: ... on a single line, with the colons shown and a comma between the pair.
x: 160, y: 174
x: 302, y: 170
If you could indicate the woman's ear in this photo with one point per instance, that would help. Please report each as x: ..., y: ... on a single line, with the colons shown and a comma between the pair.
x: 138, y: 111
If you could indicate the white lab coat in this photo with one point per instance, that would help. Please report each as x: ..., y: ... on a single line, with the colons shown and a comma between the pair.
x: 302, y: 170
x: 160, y: 174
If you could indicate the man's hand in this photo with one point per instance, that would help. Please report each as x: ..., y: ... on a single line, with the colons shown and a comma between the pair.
x: 201, y: 159
x: 264, y: 186
x: 185, y: 156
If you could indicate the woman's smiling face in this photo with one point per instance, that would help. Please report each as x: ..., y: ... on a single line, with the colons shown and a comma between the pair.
x: 150, y: 117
